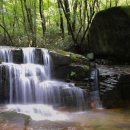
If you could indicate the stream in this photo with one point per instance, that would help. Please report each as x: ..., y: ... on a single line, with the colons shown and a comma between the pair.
x: 105, y: 119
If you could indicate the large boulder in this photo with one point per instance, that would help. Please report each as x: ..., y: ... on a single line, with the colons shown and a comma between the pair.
x: 109, y: 35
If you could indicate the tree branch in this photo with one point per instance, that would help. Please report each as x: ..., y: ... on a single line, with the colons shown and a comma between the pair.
x: 7, y: 34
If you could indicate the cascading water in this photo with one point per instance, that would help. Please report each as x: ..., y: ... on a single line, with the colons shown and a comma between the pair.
x: 6, y: 55
x: 30, y: 83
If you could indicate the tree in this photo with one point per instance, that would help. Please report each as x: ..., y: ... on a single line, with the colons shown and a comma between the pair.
x: 67, y: 12
x: 32, y: 21
x: 42, y: 16
x: 61, y: 18
x: 88, y: 11
x: 67, y: 16
x: 3, y: 19
x: 74, y: 14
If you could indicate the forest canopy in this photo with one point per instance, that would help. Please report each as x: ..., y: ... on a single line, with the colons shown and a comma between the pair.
x: 49, y: 23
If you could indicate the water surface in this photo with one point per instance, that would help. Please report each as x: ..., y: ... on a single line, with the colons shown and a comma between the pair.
x: 106, y: 119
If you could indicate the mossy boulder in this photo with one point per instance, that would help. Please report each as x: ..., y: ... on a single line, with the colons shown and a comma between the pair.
x: 69, y: 66
x: 109, y: 35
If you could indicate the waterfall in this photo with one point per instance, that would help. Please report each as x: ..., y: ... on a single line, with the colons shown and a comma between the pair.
x: 6, y: 55
x: 28, y: 55
x: 94, y: 84
x: 31, y: 83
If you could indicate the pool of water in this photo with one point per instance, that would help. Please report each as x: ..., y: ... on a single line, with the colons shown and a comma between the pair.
x: 105, y: 119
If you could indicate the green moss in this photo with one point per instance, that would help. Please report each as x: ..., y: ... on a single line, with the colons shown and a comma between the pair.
x: 78, y: 59
x: 75, y: 58
x: 61, y: 52
x: 72, y: 74
x: 11, y: 115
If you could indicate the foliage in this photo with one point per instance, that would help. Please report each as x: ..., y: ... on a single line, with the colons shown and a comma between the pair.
x: 49, y: 23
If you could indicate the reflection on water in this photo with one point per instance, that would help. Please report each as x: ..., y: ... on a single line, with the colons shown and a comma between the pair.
x: 118, y: 119
x: 103, y: 120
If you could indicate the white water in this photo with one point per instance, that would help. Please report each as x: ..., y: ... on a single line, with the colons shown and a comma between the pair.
x: 31, y: 85
x: 6, y: 55
x: 39, y: 112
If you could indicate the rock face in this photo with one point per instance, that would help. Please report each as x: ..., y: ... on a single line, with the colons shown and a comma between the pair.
x: 114, y: 85
x: 3, y: 83
x: 109, y: 34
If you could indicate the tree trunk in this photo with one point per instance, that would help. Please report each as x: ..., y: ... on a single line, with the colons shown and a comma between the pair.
x: 80, y: 12
x: 74, y: 14
x: 89, y: 18
x: 61, y: 18
x: 67, y: 11
x: 116, y: 2
x: 127, y: 2
x: 84, y: 14
x: 42, y: 17
x: 3, y: 20
x: 32, y: 39
x: 68, y: 23
x: 34, y: 25
x: 24, y: 18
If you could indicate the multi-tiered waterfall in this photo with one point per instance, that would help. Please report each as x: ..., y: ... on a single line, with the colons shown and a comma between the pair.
x: 30, y: 83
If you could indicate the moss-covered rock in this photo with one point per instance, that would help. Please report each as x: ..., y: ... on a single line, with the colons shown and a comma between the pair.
x: 10, y: 115
x: 66, y: 58
x: 69, y: 66
x: 109, y: 35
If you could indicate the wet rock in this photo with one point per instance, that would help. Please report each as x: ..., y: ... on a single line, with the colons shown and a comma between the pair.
x: 4, y: 82
x: 114, y: 85
x: 12, y: 120
x: 39, y: 56
x: 124, y: 87
x: 17, y: 56
x: 60, y: 58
